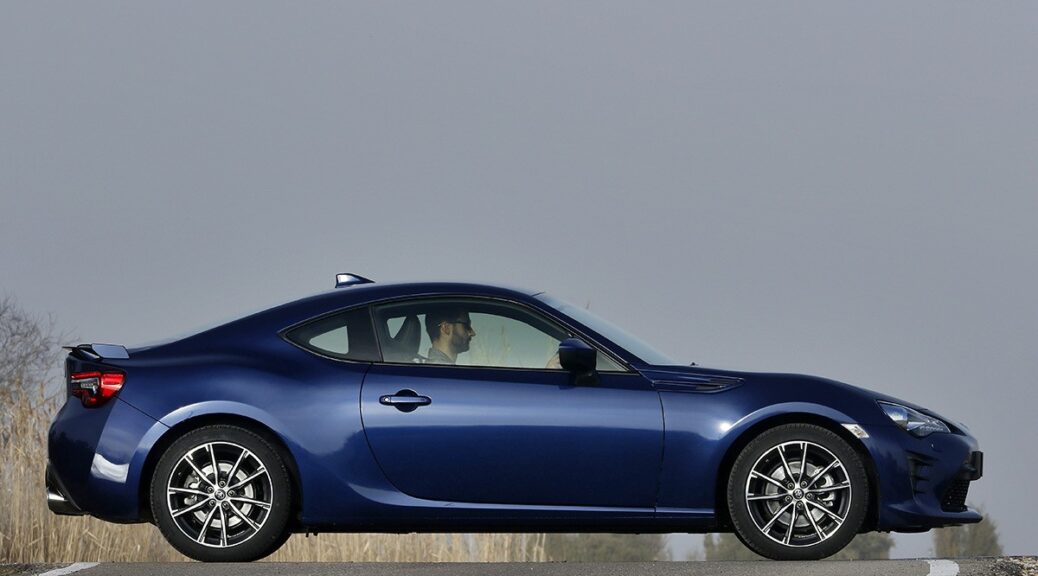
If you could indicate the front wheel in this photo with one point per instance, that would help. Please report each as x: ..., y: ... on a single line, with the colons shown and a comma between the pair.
x: 797, y: 492
x: 222, y: 494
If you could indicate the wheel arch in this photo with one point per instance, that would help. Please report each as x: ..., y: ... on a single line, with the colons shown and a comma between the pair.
x: 746, y: 436
x: 185, y: 426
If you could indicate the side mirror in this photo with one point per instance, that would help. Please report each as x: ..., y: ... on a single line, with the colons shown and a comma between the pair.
x: 576, y: 356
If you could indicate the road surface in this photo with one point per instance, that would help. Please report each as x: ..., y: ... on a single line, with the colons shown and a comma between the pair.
x: 1026, y: 566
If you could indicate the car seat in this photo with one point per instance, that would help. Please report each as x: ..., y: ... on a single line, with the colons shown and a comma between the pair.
x: 403, y: 347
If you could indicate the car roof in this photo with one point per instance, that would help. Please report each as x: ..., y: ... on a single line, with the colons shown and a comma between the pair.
x: 439, y: 286
x: 362, y: 293
x: 356, y: 294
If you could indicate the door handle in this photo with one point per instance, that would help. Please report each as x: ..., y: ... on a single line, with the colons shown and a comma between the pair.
x: 405, y: 400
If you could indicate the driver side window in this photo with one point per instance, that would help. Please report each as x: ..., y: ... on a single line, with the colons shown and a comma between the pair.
x: 506, y: 342
x: 471, y: 332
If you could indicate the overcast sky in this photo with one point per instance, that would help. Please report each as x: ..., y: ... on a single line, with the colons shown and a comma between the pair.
x: 847, y: 189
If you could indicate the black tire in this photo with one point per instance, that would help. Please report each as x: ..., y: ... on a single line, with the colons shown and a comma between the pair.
x: 764, y: 511
x: 253, y: 517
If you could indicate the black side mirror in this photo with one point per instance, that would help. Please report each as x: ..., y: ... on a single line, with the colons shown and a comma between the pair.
x: 576, y: 356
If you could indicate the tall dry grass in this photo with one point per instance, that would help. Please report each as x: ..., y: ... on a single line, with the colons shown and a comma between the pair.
x: 30, y: 533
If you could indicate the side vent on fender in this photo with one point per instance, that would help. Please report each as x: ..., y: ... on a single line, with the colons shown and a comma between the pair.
x: 705, y: 385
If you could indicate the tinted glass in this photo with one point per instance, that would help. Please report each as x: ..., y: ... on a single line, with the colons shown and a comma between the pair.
x: 347, y: 335
x: 471, y: 333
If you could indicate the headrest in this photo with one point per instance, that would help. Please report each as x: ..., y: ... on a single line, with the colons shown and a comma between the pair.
x: 403, y: 347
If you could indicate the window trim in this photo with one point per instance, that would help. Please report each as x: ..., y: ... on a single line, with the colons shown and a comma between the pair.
x: 283, y: 334
x: 370, y: 304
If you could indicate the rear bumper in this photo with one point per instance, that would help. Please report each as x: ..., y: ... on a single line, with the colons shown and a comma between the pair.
x: 95, y: 458
x: 58, y: 500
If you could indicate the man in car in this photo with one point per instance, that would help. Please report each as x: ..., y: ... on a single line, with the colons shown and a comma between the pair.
x: 450, y: 330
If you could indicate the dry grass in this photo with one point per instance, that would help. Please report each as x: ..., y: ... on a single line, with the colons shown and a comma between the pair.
x: 30, y: 533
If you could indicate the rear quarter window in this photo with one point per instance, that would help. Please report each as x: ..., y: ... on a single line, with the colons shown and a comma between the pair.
x: 346, y: 336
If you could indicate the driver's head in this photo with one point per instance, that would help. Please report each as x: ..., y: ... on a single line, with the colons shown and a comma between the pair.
x: 449, y: 327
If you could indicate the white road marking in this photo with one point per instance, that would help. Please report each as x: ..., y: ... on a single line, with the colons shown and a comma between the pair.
x: 69, y: 569
x: 942, y: 568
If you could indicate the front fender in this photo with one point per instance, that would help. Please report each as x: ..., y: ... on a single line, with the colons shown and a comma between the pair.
x: 784, y: 409
x: 702, y: 431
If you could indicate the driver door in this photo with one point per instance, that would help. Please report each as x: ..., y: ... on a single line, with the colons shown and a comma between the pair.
x: 501, y: 427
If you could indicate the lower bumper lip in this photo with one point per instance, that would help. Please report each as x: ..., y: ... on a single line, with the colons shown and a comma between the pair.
x: 58, y: 504
x: 57, y: 500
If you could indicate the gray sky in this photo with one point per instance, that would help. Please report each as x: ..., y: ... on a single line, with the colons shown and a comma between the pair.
x: 844, y: 189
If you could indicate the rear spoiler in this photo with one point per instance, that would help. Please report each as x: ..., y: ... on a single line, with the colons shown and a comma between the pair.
x: 100, y: 351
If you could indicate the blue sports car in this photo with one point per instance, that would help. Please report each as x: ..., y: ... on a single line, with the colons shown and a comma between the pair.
x: 443, y: 407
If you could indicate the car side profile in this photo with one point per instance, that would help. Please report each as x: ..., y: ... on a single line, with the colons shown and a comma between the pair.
x: 450, y: 407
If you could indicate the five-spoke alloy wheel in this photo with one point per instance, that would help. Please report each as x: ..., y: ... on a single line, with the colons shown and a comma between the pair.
x: 797, y: 492
x: 222, y: 493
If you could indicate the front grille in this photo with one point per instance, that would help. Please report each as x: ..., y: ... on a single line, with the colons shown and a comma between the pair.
x: 955, y: 496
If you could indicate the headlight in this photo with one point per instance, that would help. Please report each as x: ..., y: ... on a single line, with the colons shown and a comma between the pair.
x: 913, y: 421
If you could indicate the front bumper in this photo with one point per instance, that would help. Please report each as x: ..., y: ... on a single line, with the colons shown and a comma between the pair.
x: 923, y: 482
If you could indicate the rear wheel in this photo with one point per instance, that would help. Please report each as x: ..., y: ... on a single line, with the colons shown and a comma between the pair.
x: 797, y: 492
x: 222, y: 493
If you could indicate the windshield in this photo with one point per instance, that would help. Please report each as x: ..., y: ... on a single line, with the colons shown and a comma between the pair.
x: 617, y: 335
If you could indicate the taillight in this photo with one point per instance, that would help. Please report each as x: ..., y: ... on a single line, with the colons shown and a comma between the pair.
x: 95, y: 388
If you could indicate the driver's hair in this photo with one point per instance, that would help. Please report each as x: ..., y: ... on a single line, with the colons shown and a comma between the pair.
x: 439, y: 314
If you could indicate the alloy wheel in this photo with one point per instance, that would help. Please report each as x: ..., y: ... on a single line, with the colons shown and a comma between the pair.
x: 219, y: 494
x: 798, y: 493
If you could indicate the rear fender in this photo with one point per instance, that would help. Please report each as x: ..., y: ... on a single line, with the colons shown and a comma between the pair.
x: 310, y: 471
x: 173, y: 425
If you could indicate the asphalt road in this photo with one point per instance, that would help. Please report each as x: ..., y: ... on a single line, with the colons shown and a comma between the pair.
x: 972, y: 567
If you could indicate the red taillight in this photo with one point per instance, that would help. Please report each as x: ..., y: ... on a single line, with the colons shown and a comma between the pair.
x: 95, y: 388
